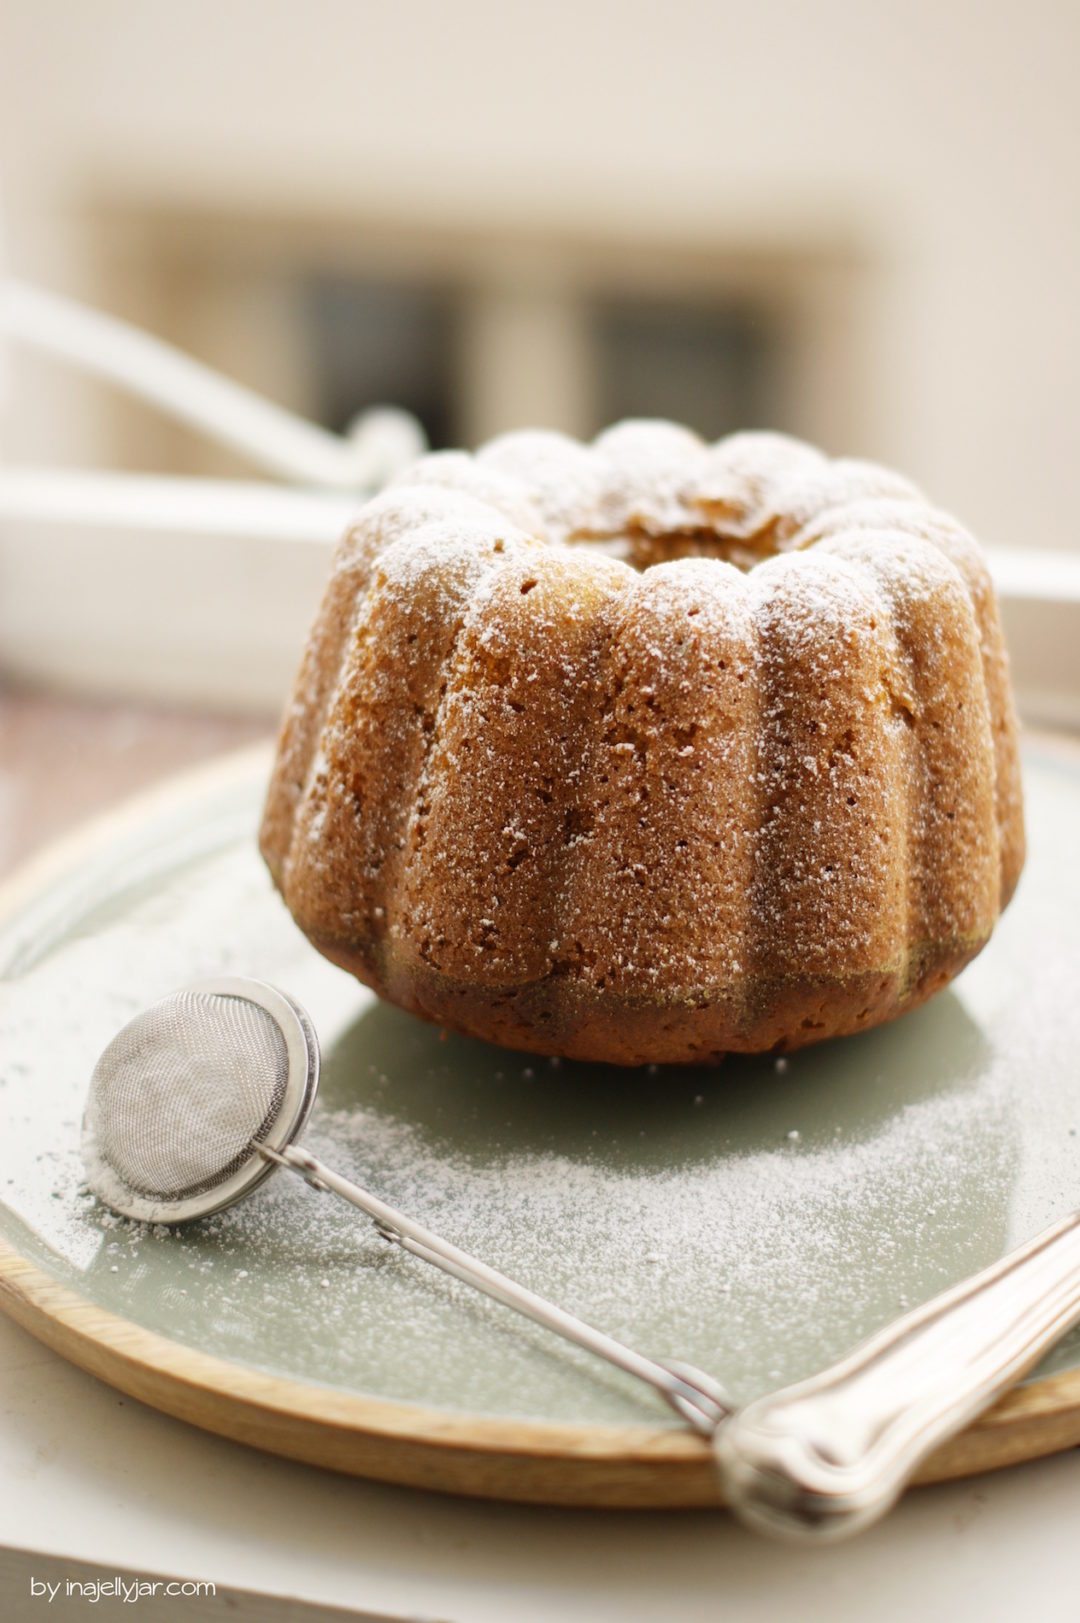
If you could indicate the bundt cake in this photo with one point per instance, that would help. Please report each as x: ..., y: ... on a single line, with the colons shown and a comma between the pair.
x: 650, y: 750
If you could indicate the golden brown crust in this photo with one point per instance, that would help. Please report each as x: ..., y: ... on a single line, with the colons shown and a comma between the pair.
x: 655, y: 814
x: 943, y: 532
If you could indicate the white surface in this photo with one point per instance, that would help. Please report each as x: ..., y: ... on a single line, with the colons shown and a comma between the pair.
x: 89, y: 1475
x: 156, y: 506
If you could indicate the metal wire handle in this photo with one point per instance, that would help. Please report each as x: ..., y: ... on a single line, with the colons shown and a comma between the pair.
x: 695, y: 1396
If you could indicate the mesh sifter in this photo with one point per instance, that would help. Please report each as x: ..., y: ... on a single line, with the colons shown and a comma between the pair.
x: 199, y: 1098
x: 189, y: 1098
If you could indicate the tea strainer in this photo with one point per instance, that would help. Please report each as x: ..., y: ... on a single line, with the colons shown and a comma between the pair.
x: 197, y: 1100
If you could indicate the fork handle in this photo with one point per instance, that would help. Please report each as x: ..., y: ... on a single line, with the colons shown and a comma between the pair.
x: 828, y: 1456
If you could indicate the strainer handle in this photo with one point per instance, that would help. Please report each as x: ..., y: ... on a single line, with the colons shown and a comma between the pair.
x: 695, y: 1396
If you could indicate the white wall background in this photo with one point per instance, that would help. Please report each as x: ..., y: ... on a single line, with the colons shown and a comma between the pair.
x: 939, y: 138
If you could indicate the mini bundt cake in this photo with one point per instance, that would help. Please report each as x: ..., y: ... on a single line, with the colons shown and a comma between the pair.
x: 650, y: 750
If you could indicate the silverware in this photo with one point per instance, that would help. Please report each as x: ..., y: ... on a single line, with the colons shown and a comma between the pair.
x: 830, y: 1455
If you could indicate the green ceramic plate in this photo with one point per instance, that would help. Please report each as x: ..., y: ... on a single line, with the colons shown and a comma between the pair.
x: 757, y: 1220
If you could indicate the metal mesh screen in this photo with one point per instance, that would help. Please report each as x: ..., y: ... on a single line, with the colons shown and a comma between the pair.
x: 179, y: 1094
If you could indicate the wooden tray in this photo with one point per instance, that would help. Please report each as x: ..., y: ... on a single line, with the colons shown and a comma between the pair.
x: 756, y: 1221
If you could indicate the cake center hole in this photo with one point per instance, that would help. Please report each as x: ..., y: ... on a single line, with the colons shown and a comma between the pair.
x: 642, y: 551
